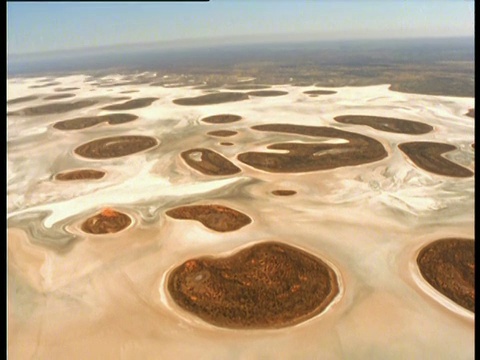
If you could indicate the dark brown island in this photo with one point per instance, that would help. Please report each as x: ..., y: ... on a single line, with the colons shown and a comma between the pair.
x: 83, y: 174
x: 89, y: 121
x: 389, y: 124
x: 115, y: 146
x: 209, y: 162
x: 449, y: 266
x: 211, y: 99
x: 54, y: 108
x: 305, y: 157
x: 428, y: 156
x: 215, y: 217
x: 267, y: 285
x: 221, y: 119
x: 108, y: 221
x: 132, y: 104
x: 222, y: 133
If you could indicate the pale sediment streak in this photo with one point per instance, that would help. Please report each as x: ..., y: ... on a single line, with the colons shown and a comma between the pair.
x: 130, y: 192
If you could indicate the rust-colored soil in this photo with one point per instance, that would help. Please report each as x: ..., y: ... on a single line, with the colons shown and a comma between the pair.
x: 265, y: 93
x: 54, y: 108
x: 215, y: 217
x: 106, y: 222
x: 319, y: 92
x: 284, y: 192
x: 21, y: 99
x: 393, y: 125
x: 209, y: 162
x: 428, y: 156
x: 132, y: 104
x: 268, y: 285
x: 59, y: 96
x: 471, y: 113
x: 449, y: 266
x: 84, y: 174
x: 222, y: 133
x: 88, y: 121
x: 221, y: 119
x: 211, y: 99
x: 115, y: 146
x: 302, y: 157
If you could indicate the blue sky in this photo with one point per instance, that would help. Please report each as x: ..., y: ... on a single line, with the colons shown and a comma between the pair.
x: 44, y: 26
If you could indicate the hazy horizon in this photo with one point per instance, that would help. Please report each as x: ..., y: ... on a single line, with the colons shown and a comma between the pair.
x: 190, y: 43
x: 221, y: 55
x: 76, y: 26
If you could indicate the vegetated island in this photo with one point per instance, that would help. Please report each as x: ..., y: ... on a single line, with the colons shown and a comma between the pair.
x: 267, y: 285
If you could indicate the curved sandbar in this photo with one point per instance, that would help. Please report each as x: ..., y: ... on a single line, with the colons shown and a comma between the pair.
x: 209, y: 162
x: 22, y: 99
x: 211, y: 99
x: 84, y: 174
x: 132, y: 104
x: 223, y: 133
x: 449, y: 266
x: 115, y: 146
x: 428, y: 156
x: 106, y: 222
x: 320, y: 92
x: 388, y: 124
x: 221, y: 119
x: 54, y: 108
x: 268, y: 285
x: 358, y: 150
x: 284, y: 192
x: 88, y: 121
x: 265, y: 93
x: 216, y: 217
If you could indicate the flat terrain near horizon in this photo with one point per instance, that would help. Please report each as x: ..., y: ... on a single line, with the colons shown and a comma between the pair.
x: 243, y: 212
x: 443, y: 66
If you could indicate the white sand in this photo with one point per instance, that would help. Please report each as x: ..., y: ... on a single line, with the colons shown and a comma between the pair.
x: 104, y: 296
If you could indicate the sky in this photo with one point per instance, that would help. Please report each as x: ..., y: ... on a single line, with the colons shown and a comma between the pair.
x: 34, y: 27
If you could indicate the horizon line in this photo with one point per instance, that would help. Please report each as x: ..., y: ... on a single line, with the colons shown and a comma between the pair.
x: 221, y: 41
